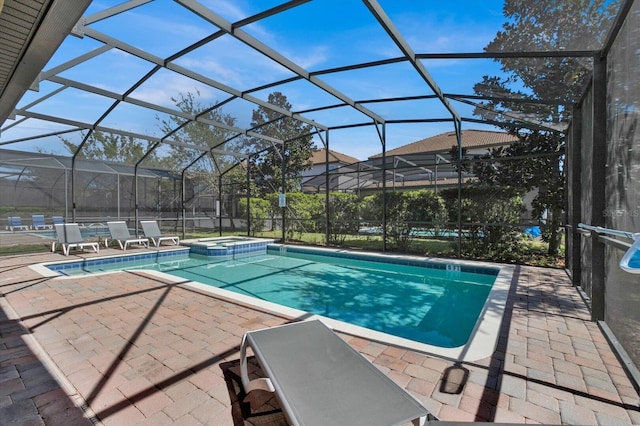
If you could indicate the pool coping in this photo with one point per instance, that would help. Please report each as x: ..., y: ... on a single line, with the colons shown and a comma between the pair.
x: 485, y: 333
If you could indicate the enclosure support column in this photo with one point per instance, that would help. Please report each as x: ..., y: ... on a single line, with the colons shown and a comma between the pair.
x: 66, y: 193
x: 393, y: 182
x: 459, y: 140
x: 219, y: 205
x: 184, y: 211
x: 358, y: 183
x: 118, y: 194
x: 135, y: 197
x: 284, y: 191
x: 575, y: 202
x: 598, y: 173
x: 248, y: 197
x: 383, y: 139
x: 326, y: 190
x: 73, y: 188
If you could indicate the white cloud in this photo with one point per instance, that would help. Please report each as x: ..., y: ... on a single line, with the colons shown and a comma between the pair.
x: 315, y: 55
x: 160, y: 90
x: 230, y: 10
x: 213, y: 68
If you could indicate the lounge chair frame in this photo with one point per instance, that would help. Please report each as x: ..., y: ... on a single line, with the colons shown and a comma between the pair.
x: 15, y: 222
x: 120, y: 233
x: 69, y: 237
x: 151, y: 230
x: 37, y: 222
x: 319, y: 379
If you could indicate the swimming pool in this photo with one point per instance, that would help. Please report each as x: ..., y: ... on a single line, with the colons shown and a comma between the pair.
x: 427, y: 305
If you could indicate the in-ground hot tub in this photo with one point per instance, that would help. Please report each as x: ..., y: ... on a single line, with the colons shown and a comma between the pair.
x: 229, y: 246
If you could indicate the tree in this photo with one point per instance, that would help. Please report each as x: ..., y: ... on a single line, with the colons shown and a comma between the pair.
x: 193, y: 136
x: 544, y: 25
x: 406, y: 211
x: 343, y: 210
x: 111, y: 147
x: 490, y: 215
x: 199, y: 134
x: 298, y: 147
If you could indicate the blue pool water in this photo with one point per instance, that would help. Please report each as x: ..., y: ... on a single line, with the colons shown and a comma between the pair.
x: 424, y: 302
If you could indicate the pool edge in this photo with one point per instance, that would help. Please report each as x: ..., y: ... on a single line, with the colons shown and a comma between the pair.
x: 482, y: 344
x: 485, y: 333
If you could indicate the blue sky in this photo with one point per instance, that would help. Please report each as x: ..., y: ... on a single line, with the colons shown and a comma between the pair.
x: 318, y: 35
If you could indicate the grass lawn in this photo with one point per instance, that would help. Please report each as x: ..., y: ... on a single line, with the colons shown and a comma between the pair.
x: 531, y: 252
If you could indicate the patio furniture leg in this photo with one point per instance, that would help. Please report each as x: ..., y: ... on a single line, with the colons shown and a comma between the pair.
x: 249, y: 385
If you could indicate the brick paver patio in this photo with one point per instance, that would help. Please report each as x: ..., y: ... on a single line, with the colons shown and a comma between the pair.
x: 126, y: 348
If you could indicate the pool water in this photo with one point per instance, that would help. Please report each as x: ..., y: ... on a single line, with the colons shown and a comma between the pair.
x: 433, y: 306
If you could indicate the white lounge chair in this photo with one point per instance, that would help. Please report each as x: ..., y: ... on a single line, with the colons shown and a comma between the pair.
x: 15, y: 222
x: 69, y: 237
x: 319, y: 379
x: 37, y: 222
x: 151, y: 230
x: 118, y: 231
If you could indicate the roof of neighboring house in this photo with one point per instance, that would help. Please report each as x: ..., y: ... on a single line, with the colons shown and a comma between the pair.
x: 444, y: 141
x: 319, y: 157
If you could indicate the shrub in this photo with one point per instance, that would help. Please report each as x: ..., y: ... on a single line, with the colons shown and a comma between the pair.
x: 343, y: 216
x: 489, y: 220
x: 259, y: 210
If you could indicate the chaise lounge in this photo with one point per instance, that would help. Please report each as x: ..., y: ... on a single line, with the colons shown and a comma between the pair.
x: 320, y: 380
x: 15, y: 222
x: 151, y: 230
x: 119, y: 232
x: 37, y: 222
x: 69, y: 237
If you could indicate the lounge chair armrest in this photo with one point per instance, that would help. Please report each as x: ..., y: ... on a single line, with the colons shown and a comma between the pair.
x: 259, y: 384
x: 262, y: 383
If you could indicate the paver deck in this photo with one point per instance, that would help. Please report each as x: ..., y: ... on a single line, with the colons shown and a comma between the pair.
x: 126, y: 348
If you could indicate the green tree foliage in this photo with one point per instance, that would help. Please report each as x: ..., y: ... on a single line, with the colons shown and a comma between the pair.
x: 343, y: 212
x: 112, y: 147
x: 487, y: 212
x: 545, y: 25
x: 303, y: 212
x: 406, y: 212
x: 193, y: 137
x: 258, y: 213
x: 298, y: 147
x: 198, y: 134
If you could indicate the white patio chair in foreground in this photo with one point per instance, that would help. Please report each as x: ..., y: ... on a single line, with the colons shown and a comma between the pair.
x: 118, y: 231
x: 319, y: 379
x: 151, y: 230
x: 69, y: 237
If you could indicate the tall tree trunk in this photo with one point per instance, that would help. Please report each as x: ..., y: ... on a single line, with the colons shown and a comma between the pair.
x: 554, y: 240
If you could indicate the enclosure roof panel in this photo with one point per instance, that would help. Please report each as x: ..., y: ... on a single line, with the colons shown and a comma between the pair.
x: 360, y: 68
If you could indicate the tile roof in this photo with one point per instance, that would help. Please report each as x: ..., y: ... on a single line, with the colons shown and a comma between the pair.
x: 444, y: 141
x: 318, y: 157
